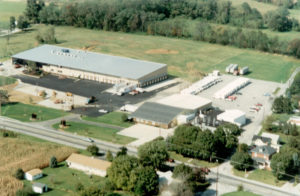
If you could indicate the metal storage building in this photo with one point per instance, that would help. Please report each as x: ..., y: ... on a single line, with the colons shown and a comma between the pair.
x: 233, y: 116
x: 93, y: 66
x: 156, y: 114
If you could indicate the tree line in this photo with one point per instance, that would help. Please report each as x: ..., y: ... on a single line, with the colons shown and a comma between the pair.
x: 191, y: 141
x: 136, y: 15
x: 286, y: 3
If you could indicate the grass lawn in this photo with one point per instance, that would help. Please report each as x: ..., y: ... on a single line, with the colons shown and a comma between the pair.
x: 240, y: 193
x: 62, y: 180
x: 6, y: 80
x: 265, y: 177
x: 197, y: 162
x: 10, y: 8
x: 23, y: 112
x: 105, y: 134
x: 114, y: 118
x: 192, y: 58
x: 238, y: 173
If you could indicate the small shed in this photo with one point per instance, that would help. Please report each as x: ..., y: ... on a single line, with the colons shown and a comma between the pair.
x: 39, y: 188
x: 33, y: 174
x: 233, y: 116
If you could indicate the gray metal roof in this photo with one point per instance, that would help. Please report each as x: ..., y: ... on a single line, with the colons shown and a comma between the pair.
x: 40, y: 185
x: 156, y: 112
x: 264, y: 139
x: 90, y: 61
x: 266, y: 150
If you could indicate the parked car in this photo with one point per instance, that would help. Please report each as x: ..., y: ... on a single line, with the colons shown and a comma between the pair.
x: 259, y: 104
x: 88, y: 139
x: 103, y: 111
x: 17, y: 66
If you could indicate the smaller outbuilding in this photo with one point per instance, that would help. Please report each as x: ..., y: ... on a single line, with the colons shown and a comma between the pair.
x: 39, y: 188
x: 236, y: 117
x: 33, y: 174
x: 89, y: 165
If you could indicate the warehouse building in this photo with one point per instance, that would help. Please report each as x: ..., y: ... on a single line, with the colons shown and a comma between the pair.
x: 93, y: 66
x: 187, y: 102
x: 157, y: 115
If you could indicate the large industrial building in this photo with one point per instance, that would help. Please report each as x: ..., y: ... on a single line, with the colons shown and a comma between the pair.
x: 93, y: 66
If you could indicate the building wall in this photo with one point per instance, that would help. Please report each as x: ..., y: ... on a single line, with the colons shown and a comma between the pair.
x: 240, y: 120
x: 155, y: 124
x: 31, y: 178
x: 86, y: 75
x: 154, y: 77
x: 86, y: 169
x: 37, y: 189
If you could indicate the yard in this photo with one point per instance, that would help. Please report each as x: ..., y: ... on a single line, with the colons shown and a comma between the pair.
x: 6, y: 80
x: 93, y: 131
x: 23, y: 112
x: 27, y: 153
x: 196, y: 162
x: 240, y: 193
x: 113, y: 118
x: 185, y: 58
x: 265, y: 176
x: 63, y: 180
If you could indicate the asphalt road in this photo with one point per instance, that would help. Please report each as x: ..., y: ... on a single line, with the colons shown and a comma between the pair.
x: 58, y: 136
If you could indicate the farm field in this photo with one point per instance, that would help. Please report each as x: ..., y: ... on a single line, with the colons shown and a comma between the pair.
x: 10, y: 8
x: 34, y: 153
x: 93, y: 131
x: 114, y: 118
x: 186, y: 58
x: 23, y: 112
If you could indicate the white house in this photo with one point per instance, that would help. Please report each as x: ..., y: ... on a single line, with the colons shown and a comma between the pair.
x: 33, y: 174
x: 275, y: 140
x: 89, y: 165
x: 294, y: 120
x: 39, y: 188
x: 233, y: 116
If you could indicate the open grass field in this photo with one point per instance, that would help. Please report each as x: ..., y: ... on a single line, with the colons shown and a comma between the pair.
x: 27, y: 153
x: 265, y: 176
x: 63, y: 180
x: 6, y: 80
x: 240, y: 193
x: 93, y: 131
x: 23, y: 112
x: 10, y: 8
x: 188, y: 58
x: 114, y: 118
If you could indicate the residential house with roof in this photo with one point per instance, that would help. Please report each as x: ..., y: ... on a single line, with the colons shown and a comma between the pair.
x: 89, y: 165
x: 262, y: 156
x: 267, y: 139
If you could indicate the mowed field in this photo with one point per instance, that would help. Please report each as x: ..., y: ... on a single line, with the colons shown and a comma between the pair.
x: 185, y: 58
x: 10, y: 8
x: 27, y: 153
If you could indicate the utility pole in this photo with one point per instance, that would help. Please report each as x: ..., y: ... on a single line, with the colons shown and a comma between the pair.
x: 217, y: 178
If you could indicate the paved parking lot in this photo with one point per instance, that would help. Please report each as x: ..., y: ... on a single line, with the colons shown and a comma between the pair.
x: 250, y: 95
x: 87, y: 88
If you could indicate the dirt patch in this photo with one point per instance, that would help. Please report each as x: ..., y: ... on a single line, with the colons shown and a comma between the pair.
x: 161, y: 51
x: 88, y: 47
x: 17, y: 96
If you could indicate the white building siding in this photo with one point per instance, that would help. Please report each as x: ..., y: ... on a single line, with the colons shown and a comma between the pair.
x: 31, y: 178
x: 88, y: 170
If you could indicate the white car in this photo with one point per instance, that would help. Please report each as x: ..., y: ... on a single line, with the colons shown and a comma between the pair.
x: 103, y: 111
x: 88, y: 139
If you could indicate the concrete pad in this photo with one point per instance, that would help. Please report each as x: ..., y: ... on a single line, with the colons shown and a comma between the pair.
x: 145, y: 133
x: 160, y: 84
